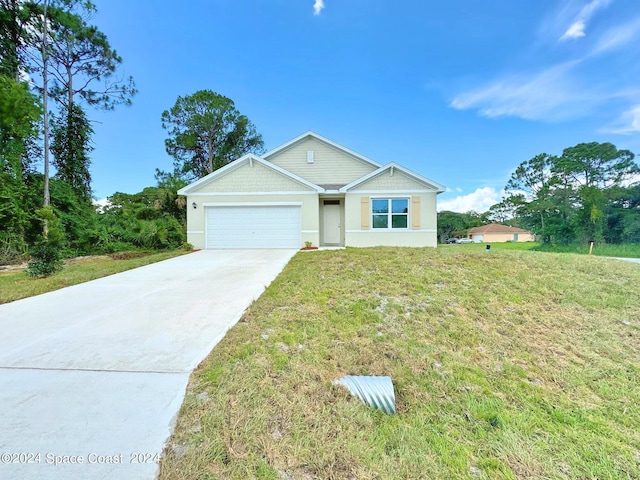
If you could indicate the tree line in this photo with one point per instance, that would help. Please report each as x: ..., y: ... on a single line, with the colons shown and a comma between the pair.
x: 56, y: 67
x: 589, y: 193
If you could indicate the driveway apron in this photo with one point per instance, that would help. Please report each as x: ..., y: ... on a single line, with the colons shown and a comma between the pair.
x: 92, y: 376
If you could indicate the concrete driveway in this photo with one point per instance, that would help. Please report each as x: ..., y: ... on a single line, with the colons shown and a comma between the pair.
x: 92, y: 376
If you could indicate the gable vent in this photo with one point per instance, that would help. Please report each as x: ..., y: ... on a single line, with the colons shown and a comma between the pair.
x: 309, y: 156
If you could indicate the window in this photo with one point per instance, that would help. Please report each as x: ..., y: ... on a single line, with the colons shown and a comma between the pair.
x: 390, y: 212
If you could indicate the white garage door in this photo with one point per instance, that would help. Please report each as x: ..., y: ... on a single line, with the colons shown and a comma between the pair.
x: 254, y: 227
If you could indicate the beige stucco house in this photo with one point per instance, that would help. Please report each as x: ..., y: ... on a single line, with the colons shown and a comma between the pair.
x: 311, y: 189
x: 495, y: 232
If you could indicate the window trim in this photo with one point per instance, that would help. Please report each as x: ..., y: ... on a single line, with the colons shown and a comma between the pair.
x: 389, y: 214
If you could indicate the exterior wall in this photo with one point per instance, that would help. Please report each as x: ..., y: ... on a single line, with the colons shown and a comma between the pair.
x: 330, y: 165
x: 256, y: 178
x: 391, y: 239
x: 503, y: 237
x: 197, y: 223
x: 526, y: 237
x: 385, y: 181
x: 425, y: 235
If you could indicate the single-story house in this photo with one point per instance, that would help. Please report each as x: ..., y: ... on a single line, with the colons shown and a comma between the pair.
x: 495, y: 232
x: 311, y: 189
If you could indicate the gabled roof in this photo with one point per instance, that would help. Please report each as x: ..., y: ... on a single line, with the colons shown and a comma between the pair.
x: 496, y: 228
x: 263, y: 160
x: 240, y: 162
x: 320, y: 138
x: 436, y: 186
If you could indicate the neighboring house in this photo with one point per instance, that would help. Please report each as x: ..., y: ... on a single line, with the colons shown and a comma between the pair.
x: 495, y: 232
x: 311, y: 190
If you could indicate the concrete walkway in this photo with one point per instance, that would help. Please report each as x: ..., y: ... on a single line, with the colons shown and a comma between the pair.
x: 92, y: 376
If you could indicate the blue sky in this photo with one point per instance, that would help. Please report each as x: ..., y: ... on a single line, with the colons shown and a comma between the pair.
x: 460, y: 92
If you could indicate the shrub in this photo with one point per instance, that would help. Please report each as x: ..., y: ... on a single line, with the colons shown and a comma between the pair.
x: 46, y: 255
x: 46, y: 260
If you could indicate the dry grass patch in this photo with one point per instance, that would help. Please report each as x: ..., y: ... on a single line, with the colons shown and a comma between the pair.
x: 506, y: 365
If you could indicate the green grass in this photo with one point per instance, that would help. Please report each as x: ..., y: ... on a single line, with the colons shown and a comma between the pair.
x: 506, y: 365
x: 473, y: 247
x: 15, y: 285
x: 629, y: 250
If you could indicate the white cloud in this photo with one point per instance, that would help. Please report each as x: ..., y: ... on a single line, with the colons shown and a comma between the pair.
x: 629, y: 122
x: 318, y: 6
x: 582, y: 85
x: 542, y: 96
x: 101, y: 204
x: 575, y: 31
x: 577, y: 27
x: 619, y: 36
x: 589, y: 9
x: 479, y: 201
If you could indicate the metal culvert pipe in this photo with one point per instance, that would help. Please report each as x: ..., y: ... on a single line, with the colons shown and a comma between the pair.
x: 374, y: 391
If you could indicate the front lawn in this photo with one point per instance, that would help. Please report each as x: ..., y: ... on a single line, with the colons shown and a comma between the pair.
x: 15, y: 285
x: 506, y: 365
x: 629, y: 250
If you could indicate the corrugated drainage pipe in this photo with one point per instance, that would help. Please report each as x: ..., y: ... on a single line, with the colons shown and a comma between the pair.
x: 375, y: 392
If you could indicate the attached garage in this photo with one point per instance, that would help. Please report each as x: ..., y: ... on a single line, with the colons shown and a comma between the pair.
x: 253, y: 226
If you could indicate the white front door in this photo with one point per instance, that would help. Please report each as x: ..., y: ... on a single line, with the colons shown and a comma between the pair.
x: 331, y: 224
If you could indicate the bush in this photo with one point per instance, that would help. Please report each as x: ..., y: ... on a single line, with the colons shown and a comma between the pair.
x: 46, y: 260
x: 46, y: 255
x: 159, y: 234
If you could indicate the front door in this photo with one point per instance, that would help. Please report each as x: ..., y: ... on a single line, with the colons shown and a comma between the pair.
x: 331, y: 222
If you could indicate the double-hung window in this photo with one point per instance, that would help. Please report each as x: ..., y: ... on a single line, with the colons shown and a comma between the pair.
x: 390, y: 212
